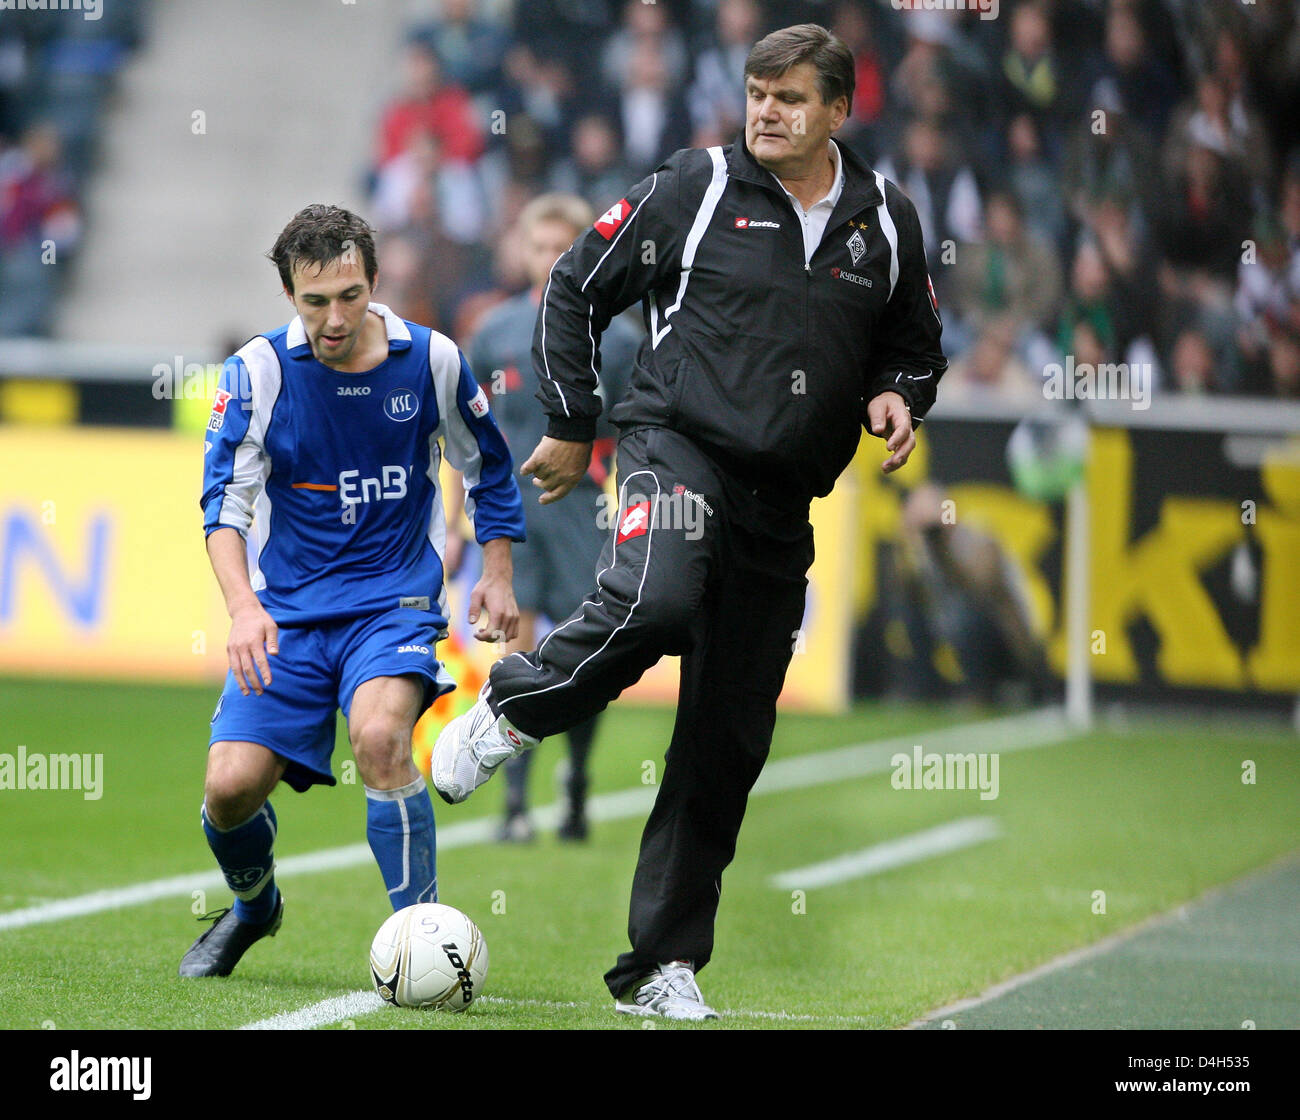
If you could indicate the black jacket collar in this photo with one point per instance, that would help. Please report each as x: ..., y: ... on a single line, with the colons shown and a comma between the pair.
x: 860, y: 188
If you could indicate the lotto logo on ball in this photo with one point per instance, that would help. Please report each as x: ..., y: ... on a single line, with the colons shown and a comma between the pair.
x: 635, y: 522
x: 429, y: 956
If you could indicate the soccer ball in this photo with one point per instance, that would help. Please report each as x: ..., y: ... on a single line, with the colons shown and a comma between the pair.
x: 429, y: 955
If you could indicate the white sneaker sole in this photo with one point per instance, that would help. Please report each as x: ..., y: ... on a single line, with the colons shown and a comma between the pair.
x: 692, y: 1015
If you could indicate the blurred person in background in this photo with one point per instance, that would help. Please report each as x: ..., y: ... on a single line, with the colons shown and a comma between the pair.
x: 1140, y: 78
x: 595, y: 169
x: 471, y: 48
x: 1284, y: 360
x: 864, y: 129
x: 1010, y: 276
x: 40, y: 224
x: 990, y: 369
x: 1200, y: 232
x: 647, y: 28
x: 1036, y: 182
x: 717, y: 99
x: 1032, y: 81
x: 962, y: 593
x: 428, y: 103
x: 1192, y: 364
x: 1107, y: 155
x: 552, y: 569
x: 943, y: 189
x: 651, y: 108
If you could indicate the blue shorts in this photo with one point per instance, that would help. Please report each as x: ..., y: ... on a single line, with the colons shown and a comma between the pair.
x: 316, y: 672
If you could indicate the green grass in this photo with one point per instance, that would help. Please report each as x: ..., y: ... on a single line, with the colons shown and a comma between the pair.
x: 1152, y: 816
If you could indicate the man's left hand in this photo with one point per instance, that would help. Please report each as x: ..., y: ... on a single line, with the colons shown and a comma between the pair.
x: 495, y: 594
x: 892, y: 422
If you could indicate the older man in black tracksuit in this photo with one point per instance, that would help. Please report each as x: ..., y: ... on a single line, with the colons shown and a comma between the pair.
x: 788, y: 304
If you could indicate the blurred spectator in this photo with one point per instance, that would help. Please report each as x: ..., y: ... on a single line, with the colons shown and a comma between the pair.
x: 646, y: 28
x: 959, y: 591
x: 595, y: 170
x: 862, y: 130
x: 1212, y: 121
x: 991, y: 370
x: 1036, y: 183
x: 717, y: 98
x: 1032, y: 80
x: 429, y: 104
x: 40, y: 224
x: 1106, y: 156
x: 1192, y: 364
x: 1010, y: 277
x: 1142, y: 82
x: 418, y: 187
x: 651, y: 109
x: 1200, y: 234
x: 471, y: 49
x: 1087, y: 323
x: 944, y: 191
x: 1284, y: 363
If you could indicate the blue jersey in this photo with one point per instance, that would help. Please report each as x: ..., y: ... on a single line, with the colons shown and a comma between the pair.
x: 332, y: 477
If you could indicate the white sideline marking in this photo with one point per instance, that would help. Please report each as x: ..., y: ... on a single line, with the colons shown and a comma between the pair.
x: 1038, y: 728
x: 338, y: 1008
x: 1096, y: 949
x: 886, y: 856
x: 333, y: 1010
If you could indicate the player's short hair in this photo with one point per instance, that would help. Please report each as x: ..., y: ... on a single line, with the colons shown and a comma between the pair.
x: 319, y: 234
x: 557, y: 207
x: 773, y: 55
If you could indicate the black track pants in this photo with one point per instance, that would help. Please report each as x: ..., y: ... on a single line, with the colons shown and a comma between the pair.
x: 701, y: 566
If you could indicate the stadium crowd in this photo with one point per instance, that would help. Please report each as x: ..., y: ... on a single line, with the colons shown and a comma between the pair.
x: 56, y: 74
x: 1112, y: 180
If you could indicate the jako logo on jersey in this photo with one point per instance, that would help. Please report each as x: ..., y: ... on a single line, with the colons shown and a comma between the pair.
x: 635, y: 522
x: 389, y: 487
x: 414, y: 649
x: 401, y: 405
x: 934, y: 300
x: 478, y: 403
x: 218, y: 417
x: 751, y: 223
x: 852, y: 277
x: 354, y: 390
x: 607, y: 224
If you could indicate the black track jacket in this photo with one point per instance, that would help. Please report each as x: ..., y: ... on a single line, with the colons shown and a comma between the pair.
x: 765, y: 362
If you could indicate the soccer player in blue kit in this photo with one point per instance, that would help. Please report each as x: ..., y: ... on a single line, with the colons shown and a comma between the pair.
x: 325, y: 529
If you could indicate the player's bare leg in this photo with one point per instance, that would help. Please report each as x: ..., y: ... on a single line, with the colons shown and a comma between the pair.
x: 240, y: 827
x: 399, y: 814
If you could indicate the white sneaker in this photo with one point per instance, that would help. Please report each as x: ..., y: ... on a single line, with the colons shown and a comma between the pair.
x: 471, y: 747
x: 669, y: 991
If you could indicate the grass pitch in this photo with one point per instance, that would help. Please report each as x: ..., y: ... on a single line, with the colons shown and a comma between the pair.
x: 1094, y: 834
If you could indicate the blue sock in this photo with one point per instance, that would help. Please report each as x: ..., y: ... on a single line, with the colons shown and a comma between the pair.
x: 246, y: 857
x: 399, y: 826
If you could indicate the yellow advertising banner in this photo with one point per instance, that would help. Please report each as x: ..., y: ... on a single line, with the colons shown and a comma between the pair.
x: 103, y: 572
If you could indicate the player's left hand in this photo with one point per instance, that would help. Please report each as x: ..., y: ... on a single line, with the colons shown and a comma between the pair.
x: 495, y: 594
x: 892, y: 422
